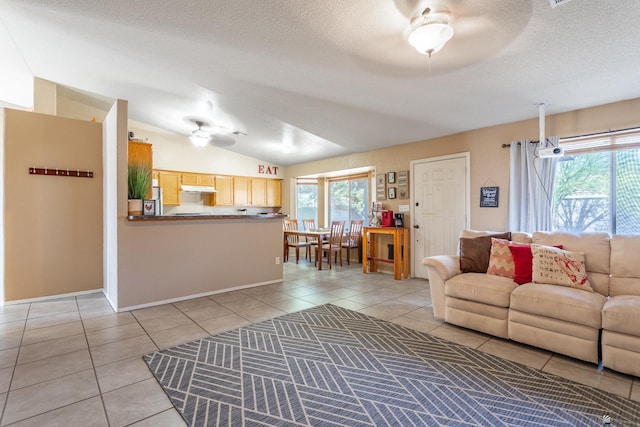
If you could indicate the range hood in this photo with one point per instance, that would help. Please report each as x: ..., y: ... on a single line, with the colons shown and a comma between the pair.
x: 198, y: 189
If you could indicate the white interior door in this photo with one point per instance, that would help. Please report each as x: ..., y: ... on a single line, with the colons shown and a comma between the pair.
x: 440, y: 206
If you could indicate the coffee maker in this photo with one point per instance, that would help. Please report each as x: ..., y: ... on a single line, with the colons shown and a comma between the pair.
x: 399, y: 220
x: 387, y: 218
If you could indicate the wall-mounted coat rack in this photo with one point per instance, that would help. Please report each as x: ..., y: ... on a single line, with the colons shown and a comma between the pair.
x: 61, y: 172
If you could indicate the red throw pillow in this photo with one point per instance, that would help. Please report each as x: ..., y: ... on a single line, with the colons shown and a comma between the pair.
x: 523, y: 262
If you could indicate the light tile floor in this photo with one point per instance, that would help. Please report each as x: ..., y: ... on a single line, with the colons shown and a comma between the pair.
x: 74, y: 362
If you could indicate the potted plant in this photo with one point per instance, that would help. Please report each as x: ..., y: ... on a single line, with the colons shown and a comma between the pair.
x: 139, y: 182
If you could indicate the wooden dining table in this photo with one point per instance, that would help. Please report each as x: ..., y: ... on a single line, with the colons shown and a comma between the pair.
x: 319, y: 234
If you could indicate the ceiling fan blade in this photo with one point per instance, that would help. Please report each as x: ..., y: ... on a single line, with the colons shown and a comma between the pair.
x: 222, y: 140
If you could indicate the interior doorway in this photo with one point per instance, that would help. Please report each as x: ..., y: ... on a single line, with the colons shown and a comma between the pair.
x: 439, y: 206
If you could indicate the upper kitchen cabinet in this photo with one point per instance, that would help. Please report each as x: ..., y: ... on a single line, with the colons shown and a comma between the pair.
x: 140, y: 152
x: 258, y: 192
x: 266, y: 192
x: 274, y: 192
x: 169, y: 181
x: 241, y: 191
x: 224, y: 191
x: 198, y: 179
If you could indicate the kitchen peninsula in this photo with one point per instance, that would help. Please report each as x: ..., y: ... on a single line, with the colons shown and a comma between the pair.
x: 172, y: 258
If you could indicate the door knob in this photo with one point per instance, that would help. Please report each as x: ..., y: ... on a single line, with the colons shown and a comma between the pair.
x: 416, y: 226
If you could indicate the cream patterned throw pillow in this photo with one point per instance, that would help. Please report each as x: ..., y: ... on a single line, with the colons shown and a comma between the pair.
x: 501, y: 260
x: 559, y: 267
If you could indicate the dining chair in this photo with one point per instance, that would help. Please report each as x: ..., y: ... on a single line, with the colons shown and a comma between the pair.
x: 293, y: 241
x: 334, y: 245
x: 310, y: 224
x: 353, y: 238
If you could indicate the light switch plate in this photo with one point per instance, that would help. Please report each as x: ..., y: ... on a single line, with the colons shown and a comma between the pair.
x: 403, y: 208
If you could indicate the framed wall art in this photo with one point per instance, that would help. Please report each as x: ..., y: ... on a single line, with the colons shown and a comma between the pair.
x: 489, y: 197
x: 391, y: 178
x: 381, y: 186
x: 149, y: 207
x: 403, y: 184
x: 391, y: 192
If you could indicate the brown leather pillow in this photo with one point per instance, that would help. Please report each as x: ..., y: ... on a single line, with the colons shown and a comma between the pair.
x: 475, y: 252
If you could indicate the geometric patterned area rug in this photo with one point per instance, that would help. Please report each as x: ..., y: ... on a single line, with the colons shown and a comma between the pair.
x: 329, y: 366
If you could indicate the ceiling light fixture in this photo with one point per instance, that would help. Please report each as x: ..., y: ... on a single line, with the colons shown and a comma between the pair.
x: 430, y: 31
x: 199, y: 137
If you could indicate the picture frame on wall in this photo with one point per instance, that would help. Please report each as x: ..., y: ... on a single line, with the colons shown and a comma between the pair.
x: 381, y: 186
x: 149, y: 207
x: 489, y: 197
x: 391, y: 192
x: 391, y: 178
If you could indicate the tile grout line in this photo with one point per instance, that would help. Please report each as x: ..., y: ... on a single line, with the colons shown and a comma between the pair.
x: 15, y: 364
x: 93, y: 365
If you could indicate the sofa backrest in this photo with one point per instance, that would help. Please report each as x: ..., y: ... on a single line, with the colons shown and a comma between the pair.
x: 625, y: 265
x: 595, y: 246
x: 516, y: 236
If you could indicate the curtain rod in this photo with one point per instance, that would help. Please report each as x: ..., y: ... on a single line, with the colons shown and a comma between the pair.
x: 584, y: 135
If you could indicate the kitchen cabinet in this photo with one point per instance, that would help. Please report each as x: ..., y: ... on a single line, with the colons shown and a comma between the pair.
x: 266, y: 192
x: 140, y: 153
x: 169, y: 181
x: 274, y: 192
x: 258, y: 192
x: 241, y: 191
x: 224, y: 191
x: 198, y: 179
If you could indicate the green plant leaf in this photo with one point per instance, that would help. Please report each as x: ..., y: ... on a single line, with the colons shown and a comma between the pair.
x: 139, y: 178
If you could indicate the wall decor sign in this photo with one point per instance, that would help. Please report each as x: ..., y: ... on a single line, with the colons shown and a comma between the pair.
x: 392, y: 192
x: 149, y: 206
x: 391, y: 178
x: 403, y: 184
x: 268, y: 170
x: 489, y: 197
x: 381, y: 186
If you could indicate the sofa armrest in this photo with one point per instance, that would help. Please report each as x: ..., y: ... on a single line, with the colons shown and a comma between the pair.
x: 440, y: 268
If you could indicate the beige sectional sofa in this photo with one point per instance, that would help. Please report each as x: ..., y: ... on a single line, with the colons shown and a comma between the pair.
x: 599, y: 326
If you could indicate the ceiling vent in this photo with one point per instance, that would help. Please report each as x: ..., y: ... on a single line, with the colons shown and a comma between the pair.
x: 555, y: 3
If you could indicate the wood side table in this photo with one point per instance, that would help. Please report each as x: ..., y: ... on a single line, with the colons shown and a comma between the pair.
x: 400, y: 259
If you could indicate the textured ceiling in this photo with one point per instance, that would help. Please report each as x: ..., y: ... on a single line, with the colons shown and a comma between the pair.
x: 334, y: 77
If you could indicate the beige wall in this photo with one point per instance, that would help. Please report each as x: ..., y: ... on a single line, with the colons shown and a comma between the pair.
x: 169, y: 260
x: 53, y: 225
x: 489, y: 161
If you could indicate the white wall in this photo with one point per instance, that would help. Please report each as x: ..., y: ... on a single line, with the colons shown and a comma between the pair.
x: 175, y: 152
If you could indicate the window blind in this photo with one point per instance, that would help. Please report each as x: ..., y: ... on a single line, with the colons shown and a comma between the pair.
x: 609, y: 141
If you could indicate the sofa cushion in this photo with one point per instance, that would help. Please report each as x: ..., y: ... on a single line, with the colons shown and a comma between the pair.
x: 480, y: 287
x: 596, y: 246
x: 622, y: 314
x: 474, y: 252
x: 500, y: 259
x: 523, y: 263
x: 625, y: 268
x: 559, y: 302
x: 558, y: 267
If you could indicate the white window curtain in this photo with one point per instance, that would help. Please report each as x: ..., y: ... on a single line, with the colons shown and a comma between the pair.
x: 531, y: 187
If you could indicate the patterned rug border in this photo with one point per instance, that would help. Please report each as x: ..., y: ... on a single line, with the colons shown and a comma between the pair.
x: 382, y: 374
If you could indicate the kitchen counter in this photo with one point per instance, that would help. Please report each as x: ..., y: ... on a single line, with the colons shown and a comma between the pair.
x: 188, y: 217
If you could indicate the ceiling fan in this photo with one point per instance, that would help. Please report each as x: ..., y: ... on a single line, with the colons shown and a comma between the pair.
x: 206, y: 134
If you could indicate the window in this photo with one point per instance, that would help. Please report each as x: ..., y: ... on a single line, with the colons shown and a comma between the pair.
x: 348, y: 198
x: 597, y: 185
x: 307, y: 198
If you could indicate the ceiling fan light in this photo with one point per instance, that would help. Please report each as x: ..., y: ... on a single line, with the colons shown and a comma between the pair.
x: 430, y: 37
x: 199, y: 138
